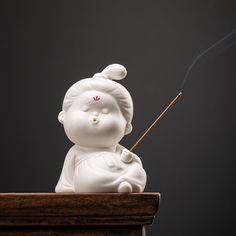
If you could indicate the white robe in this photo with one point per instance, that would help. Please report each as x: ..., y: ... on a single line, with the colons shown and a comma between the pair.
x: 99, y: 171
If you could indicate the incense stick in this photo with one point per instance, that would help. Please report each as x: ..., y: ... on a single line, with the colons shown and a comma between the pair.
x: 155, y: 122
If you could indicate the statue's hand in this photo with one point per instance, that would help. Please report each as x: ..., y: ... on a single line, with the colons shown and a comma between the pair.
x: 126, y: 156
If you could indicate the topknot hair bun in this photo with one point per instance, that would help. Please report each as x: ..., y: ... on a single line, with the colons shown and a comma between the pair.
x: 113, y: 72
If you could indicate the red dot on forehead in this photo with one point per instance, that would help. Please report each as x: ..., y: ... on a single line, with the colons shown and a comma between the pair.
x: 96, y: 98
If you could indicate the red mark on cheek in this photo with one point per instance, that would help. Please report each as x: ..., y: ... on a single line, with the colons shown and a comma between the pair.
x: 96, y: 98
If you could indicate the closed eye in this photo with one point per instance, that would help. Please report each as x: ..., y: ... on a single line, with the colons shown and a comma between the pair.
x: 85, y: 108
x: 105, y: 111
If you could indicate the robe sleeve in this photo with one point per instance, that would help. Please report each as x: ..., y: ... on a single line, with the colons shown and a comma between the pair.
x: 65, y: 183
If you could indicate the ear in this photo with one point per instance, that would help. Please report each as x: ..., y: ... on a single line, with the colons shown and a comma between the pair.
x: 61, y: 116
x: 128, y: 128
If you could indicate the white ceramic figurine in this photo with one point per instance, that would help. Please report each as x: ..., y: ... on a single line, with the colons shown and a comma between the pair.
x: 96, y: 114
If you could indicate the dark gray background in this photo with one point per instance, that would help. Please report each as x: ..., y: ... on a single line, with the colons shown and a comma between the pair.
x: 46, y: 46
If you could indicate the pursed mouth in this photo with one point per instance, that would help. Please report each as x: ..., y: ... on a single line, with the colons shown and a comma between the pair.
x: 94, y: 120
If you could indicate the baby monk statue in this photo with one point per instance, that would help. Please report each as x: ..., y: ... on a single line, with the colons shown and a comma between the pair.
x: 96, y: 114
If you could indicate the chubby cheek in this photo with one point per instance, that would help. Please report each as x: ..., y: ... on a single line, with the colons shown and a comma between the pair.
x: 75, y: 123
x: 78, y: 126
x: 114, y: 125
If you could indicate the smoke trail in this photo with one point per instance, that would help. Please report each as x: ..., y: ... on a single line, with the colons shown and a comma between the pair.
x: 229, y: 35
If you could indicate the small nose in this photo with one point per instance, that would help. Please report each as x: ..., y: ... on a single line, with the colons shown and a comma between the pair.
x: 95, y: 113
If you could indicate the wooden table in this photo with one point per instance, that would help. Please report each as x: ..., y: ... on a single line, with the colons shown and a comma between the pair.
x: 47, y: 214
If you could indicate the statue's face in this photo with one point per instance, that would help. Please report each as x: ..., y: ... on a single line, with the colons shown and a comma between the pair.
x: 94, y: 120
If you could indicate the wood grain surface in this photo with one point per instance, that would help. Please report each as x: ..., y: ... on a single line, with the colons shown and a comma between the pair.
x: 76, y: 214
